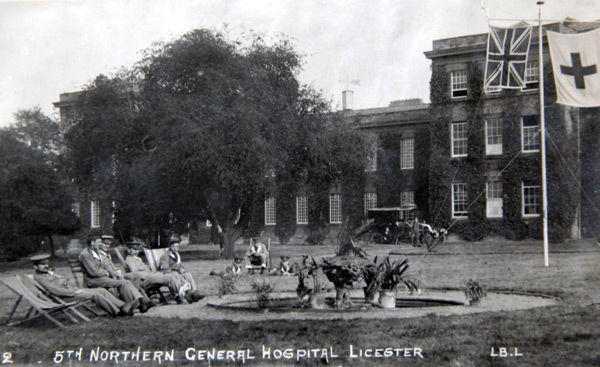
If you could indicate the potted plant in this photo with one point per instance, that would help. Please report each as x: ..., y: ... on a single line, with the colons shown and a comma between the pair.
x: 317, y: 299
x: 303, y: 291
x: 474, y: 291
x: 371, y: 274
x: 262, y: 291
x: 393, y: 274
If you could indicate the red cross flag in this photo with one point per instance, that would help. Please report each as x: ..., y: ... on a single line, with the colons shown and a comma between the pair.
x: 576, y: 65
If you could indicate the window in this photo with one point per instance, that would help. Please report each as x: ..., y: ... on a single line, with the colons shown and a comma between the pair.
x: 532, y: 73
x: 494, y: 202
x: 459, y: 83
x: 335, y: 209
x: 407, y: 153
x: 270, y: 211
x: 75, y: 209
x: 370, y: 201
x: 95, y: 215
x: 493, y: 136
x: 459, y: 200
x: 407, y: 198
x: 372, y: 157
x: 301, y: 210
x: 530, y: 133
x: 532, y: 198
x: 459, y: 139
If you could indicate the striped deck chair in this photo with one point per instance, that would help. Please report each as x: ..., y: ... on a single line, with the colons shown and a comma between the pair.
x: 155, y: 290
x: 39, y: 305
x: 57, y: 299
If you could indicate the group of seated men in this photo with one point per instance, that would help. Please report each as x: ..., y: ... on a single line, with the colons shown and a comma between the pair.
x: 102, y: 275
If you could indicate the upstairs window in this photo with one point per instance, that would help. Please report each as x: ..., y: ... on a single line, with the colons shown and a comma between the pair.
x: 493, y: 137
x: 372, y: 157
x: 459, y: 83
x: 407, y: 153
x: 532, y: 74
x: 270, y: 219
x: 459, y: 139
x: 531, y: 133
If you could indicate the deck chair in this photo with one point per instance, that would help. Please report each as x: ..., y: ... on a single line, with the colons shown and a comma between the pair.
x: 155, y: 290
x: 51, y: 297
x: 78, y: 273
x: 153, y: 257
x: 256, y: 264
x: 39, y: 305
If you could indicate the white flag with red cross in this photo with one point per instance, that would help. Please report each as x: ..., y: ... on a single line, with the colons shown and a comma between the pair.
x: 576, y: 66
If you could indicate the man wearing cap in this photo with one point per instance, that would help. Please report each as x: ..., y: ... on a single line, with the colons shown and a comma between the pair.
x: 148, y: 278
x: 170, y: 263
x: 116, y: 272
x: 257, y: 252
x: 97, y: 275
x: 60, y: 286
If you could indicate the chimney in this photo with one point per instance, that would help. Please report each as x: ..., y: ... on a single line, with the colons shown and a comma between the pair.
x: 347, y: 100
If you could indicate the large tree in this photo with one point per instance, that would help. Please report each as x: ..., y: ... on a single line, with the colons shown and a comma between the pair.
x: 218, y: 126
x: 35, y: 203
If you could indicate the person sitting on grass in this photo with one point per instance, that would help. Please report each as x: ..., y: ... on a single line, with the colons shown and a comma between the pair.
x: 285, y: 267
x: 170, y: 263
x: 59, y: 286
x: 151, y: 279
x: 256, y: 254
x: 235, y: 269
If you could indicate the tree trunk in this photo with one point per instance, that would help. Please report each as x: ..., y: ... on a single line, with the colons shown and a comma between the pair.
x: 228, y: 245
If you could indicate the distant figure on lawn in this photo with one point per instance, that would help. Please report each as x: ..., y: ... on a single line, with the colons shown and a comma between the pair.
x: 235, y: 269
x: 170, y: 263
x: 151, y: 279
x: 60, y: 286
x: 285, y: 267
x: 257, y: 254
x: 98, y: 275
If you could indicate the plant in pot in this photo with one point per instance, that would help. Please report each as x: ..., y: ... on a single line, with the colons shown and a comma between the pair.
x: 393, y: 274
x: 317, y: 298
x: 475, y: 291
x: 303, y: 291
x: 372, y: 274
x: 262, y: 291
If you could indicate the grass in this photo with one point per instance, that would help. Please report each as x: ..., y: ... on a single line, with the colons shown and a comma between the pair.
x: 567, y: 334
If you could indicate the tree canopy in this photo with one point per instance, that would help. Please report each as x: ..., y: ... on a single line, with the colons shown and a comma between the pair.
x: 229, y: 124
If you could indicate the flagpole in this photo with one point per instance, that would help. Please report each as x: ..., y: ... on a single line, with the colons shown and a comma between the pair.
x: 543, y: 142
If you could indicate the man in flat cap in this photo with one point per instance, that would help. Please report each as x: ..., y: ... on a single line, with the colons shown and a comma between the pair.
x: 148, y: 277
x: 104, y: 252
x: 257, y: 253
x: 98, y: 275
x: 170, y: 263
x: 60, y: 286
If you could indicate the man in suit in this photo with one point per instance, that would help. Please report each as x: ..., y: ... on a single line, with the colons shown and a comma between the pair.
x: 170, y: 263
x: 99, y: 275
x: 149, y: 278
x: 60, y: 286
x: 257, y: 253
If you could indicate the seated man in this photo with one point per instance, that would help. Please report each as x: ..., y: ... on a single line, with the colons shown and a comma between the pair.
x: 104, y: 252
x: 150, y: 279
x: 59, y: 286
x: 257, y: 254
x: 99, y: 275
x: 170, y: 263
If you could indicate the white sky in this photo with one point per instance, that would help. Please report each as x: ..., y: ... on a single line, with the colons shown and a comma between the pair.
x: 51, y: 47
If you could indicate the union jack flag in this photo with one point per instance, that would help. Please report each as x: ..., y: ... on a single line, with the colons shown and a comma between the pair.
x: 507, y: 57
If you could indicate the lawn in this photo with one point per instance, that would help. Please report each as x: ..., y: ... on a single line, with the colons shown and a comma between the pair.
x: 567, y: 334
